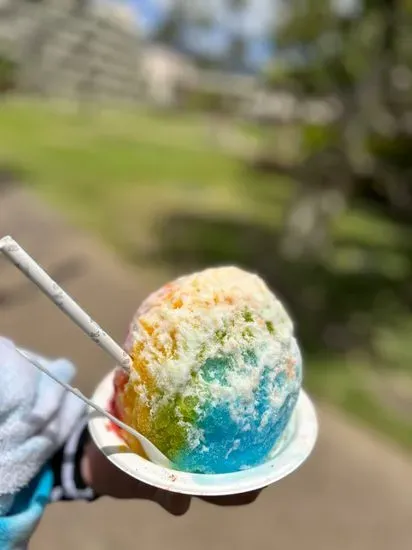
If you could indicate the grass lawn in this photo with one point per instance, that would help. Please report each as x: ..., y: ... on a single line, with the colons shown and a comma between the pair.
x: 123, y: 174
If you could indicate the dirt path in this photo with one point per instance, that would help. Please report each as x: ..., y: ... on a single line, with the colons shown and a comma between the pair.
x: 354, y: 494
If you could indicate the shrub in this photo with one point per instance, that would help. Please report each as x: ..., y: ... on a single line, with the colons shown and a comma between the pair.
x: 8, y: 72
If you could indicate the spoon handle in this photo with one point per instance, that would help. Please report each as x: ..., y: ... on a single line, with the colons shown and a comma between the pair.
x: 31, y: 269
x: 79, y: 394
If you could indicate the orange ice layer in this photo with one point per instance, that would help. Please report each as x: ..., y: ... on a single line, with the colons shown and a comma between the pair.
x: 120, y: 400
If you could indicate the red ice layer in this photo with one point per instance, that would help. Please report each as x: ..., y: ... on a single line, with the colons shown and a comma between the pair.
x: 111, y: 407
x: 119, y: 382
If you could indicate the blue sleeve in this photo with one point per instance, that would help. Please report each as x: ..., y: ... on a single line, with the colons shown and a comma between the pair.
x: 28, y: 506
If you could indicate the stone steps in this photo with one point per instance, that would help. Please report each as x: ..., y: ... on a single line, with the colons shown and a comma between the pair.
x: 58, y: 51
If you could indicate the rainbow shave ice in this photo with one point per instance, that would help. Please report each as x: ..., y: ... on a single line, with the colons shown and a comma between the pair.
x: 216, y: 371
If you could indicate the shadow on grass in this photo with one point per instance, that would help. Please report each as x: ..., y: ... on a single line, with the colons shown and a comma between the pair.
x: 334, y: 311
x: 10, y: 176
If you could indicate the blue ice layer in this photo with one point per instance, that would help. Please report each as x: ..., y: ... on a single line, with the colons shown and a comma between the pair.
x: 231, y: 445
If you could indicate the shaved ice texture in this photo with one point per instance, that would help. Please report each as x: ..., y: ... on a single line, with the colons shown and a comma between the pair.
x: 216, y: 371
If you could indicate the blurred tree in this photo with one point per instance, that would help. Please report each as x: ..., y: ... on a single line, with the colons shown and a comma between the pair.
x: 361, y: 57
x: 196, y: 15
x: 8, y: 71
x: 171, y: 29
x: 235, y: 58
x: 182, y: 16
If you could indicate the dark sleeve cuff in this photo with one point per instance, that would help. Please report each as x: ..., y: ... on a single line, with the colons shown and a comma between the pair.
x: 68, y: 482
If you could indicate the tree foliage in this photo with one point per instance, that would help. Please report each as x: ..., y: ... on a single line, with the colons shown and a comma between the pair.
x: 362, y: 58
x: 198, y: 16
x: 8, y: 73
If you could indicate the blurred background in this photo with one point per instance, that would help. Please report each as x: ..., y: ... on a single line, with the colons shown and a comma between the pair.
x: 141, y: 139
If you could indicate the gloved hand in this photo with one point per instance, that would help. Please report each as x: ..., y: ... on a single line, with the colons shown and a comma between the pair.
x: 36, y: 417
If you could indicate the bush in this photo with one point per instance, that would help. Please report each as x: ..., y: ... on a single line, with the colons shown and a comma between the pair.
x: 8, y: 73
x: 205, y: 101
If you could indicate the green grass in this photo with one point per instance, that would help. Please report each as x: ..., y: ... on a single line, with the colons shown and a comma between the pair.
x: 96, y: 151
x: 92, y: 163
x: 121, y: 172
x: 345, y: 385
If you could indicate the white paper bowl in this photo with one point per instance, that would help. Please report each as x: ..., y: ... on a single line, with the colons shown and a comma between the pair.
x: 295, y: 447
